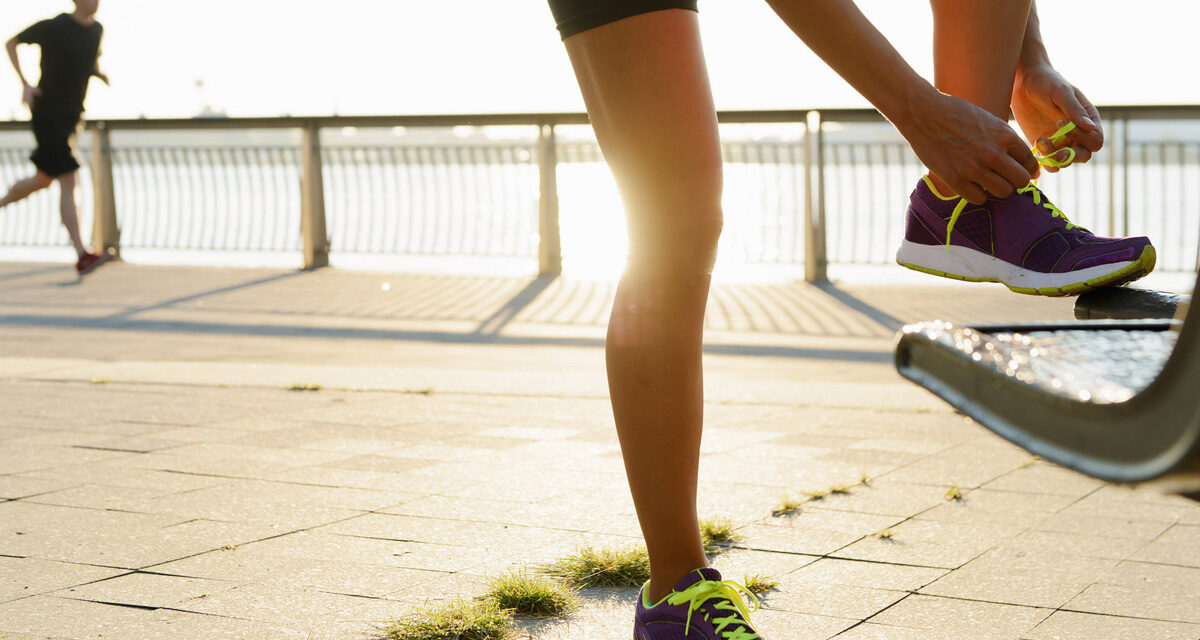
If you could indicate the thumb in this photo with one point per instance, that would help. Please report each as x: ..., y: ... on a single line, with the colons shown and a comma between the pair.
x: 1074, y: 110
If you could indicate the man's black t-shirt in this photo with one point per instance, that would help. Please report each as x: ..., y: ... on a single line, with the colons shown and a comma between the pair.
x: 69, y: 54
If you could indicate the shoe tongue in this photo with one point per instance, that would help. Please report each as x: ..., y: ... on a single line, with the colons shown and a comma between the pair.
x: 707, y: 573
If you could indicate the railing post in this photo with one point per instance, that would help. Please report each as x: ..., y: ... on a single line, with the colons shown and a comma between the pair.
x: 549, y: 238
x: 312, y: 199
x: 106, y: 236
x: 815, y: 261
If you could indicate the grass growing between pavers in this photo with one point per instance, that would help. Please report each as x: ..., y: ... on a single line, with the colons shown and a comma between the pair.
x: 790, y: 506
x: 717, y: 535
x: 303, y: 386
x: 759, y: 584
x: 954, y: 493
x: 457, y: 620
x: 591, y: 567
x: 530, y: 594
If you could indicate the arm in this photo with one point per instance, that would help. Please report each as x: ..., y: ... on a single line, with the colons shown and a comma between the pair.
x: 96, y: 69
x: 28, y: 91
x: 1042, y: 100
x: 964, y: 145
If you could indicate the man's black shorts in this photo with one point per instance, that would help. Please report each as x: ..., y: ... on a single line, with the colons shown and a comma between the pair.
x: 574, y: 16
x: 53, y: 129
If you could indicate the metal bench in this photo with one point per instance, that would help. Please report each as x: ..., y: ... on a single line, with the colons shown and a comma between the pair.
x: 1115, y: 399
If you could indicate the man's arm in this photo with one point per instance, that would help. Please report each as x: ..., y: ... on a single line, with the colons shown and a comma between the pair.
x: 28, y: 91
x: 966, y: 146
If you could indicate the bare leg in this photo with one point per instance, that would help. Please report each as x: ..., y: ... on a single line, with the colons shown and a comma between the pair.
x: 24, y: 188
x: 68, y: 209
x: 646, y: 88
x: 976, y: 45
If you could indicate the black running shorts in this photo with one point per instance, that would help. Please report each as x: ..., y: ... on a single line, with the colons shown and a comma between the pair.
x: 574, y: 16
x: 53, y: 130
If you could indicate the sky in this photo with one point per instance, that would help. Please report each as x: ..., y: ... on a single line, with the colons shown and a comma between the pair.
x: 271, y: 57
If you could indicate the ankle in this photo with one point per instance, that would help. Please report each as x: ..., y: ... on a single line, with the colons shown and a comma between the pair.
x: 662, y: 584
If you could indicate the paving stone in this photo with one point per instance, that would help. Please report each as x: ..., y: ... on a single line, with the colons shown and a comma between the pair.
x: 875, y: 575
x: 1018, y: 576
x: 1177, y: 546
x: 13, y: 487
x: 24, y: 577
x: 834, y: 600
x: 883, y: 497
x: 50, y: 616
x: 815, y: 531
x: 1069, y: 625
x: 986, y: 505
x: 951, y: 618
x: 147, y: 590
x: 1143, y: 590
x: 395, y: 553
x: 967, y: 466
x: 166, y: 624
x: 1088, y: 544
x: 486, y: 536
x: 931, y: 543
x: 737, y: 564
x: 1114, y: 527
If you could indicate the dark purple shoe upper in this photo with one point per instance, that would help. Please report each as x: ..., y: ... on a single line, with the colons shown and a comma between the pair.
x: 665, y: 621
x: 1017, y: 230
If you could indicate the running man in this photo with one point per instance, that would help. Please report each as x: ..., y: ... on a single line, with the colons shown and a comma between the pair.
x: 70, y: 45
x: 975, y: 216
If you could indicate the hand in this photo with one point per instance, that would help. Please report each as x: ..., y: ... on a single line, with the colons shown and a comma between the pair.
x: 969, y: 148
x: 103, y: 77
x: 1044, y: 101
x: 30, y: 94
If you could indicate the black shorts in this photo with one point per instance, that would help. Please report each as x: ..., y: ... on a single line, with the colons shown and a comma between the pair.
x: 574, y: 16
x: 54, y: 130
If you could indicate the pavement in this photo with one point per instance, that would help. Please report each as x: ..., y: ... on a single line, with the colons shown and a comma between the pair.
x: 249, y: 453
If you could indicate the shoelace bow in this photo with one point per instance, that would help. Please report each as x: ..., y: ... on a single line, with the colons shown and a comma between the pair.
x: 1031, y: 188
x: 728, y: 591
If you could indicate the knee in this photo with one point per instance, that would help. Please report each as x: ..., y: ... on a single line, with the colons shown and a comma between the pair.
x: 686, y: 243
x: 42, y: 181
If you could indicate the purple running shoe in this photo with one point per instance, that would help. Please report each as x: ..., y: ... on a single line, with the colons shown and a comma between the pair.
x: 1023, y: 242
x: 702, y: 607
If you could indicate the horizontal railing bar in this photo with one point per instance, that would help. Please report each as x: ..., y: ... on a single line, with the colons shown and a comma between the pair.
x: 1145, y: 112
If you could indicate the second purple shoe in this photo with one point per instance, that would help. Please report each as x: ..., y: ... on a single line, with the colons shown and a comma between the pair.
x: 1023, y: 242
x: 701, y: 607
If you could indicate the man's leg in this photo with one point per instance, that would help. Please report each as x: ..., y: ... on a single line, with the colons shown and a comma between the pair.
x: 976, y: 45
x: 69, y: 210
x: 647, y: 92
x: 24, y: 188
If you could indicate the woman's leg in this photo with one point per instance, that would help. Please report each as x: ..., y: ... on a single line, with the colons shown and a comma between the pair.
x: 646, y: 88
x: 24, y: 188
x: 976, y: 45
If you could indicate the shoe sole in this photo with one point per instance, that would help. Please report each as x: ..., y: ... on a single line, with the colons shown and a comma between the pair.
x: 104, y: 257
x: 961, y: 263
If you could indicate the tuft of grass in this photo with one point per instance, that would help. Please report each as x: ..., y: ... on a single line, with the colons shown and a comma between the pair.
x: 789, y: 507
x: 865, y: 480
x: 718, y: 531
x: 954, y: 493
x: 456, y: 620
x: 532, y: 595
x: 759, y: 584
x: 887, y: 534
x: 99, y: 380
x: 590, y: 567
x: 818, y: 494
x: 1029, y: 463
x: 427, y: 391
x: 303, y: 386
x: 840, y: 489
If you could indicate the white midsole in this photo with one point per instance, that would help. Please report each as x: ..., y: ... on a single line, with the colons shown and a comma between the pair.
x: 970, y: 263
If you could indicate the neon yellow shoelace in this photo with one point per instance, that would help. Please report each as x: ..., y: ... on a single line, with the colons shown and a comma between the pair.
x: 1031, y: 188
x: 729, y: 592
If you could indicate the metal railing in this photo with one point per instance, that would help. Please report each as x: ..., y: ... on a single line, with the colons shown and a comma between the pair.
x: 830, y: 189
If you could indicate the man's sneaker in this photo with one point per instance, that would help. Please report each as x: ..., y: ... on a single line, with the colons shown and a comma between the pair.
x: 702, y: 607
x: 1023, y: 242
x: 89, y: 261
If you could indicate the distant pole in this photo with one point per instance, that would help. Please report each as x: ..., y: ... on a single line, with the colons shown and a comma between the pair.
x: 549, y: 240
x: 312, y: 200
x: 106, y: 236
x: 815, y: 261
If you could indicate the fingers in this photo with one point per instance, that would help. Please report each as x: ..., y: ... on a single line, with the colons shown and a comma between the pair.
x: 1068, y: 101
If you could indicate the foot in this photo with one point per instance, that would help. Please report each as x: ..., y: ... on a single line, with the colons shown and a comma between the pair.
x: 89, y: 261
x: 701, y: 607
x: 1023, y: 242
